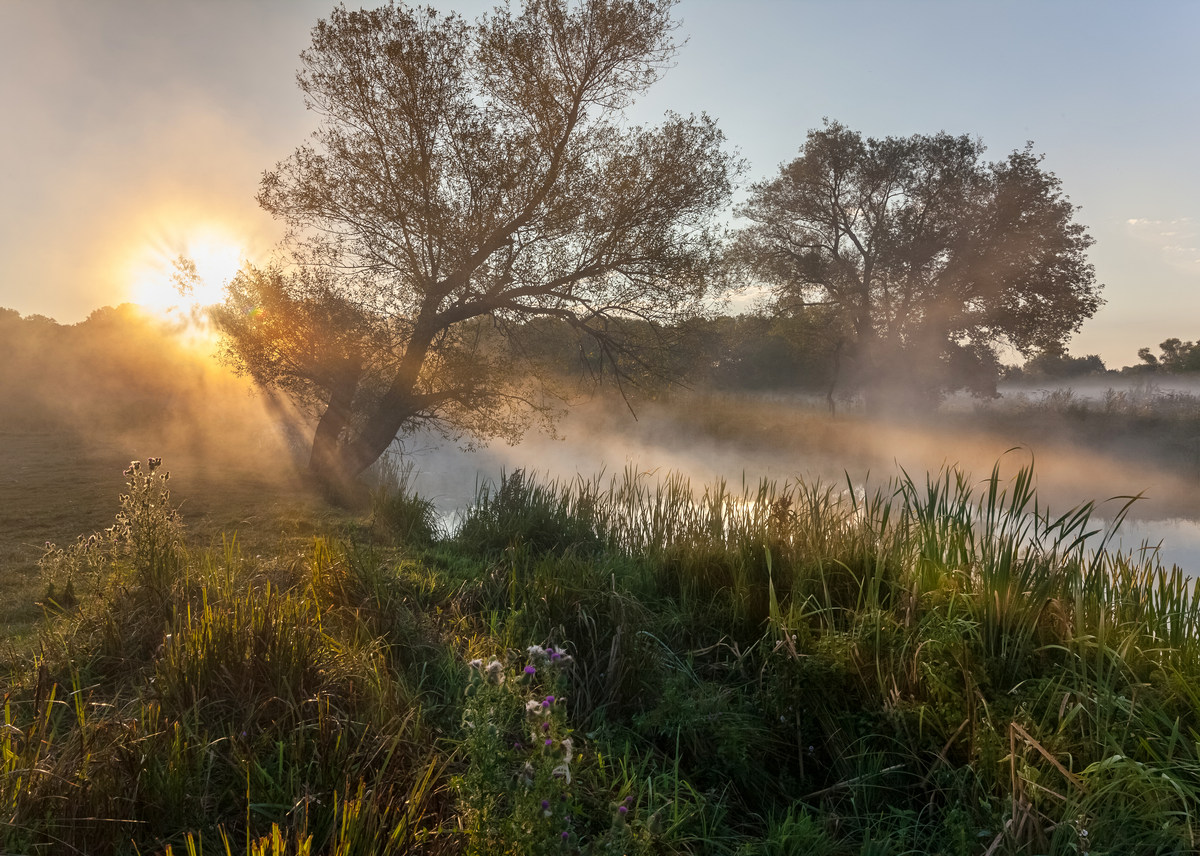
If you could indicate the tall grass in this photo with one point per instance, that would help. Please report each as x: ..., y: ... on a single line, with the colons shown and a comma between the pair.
x: 938, y: 665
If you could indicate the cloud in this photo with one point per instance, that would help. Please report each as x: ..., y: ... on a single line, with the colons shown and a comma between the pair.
x: 1177, y: 240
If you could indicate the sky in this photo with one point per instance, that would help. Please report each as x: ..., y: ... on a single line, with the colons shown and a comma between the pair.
x: 136, y: 130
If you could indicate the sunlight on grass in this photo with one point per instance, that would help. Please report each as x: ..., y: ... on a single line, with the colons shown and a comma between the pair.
x: 629, y: 665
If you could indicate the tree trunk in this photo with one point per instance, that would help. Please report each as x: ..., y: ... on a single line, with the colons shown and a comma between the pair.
x: 339, y: 460
x: 834, y: 375
x: 326, y: 461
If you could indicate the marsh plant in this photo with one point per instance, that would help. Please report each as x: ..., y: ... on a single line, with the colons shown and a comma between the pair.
x: 398, y: 514
x: 931, y: 665
x: 519, y: 751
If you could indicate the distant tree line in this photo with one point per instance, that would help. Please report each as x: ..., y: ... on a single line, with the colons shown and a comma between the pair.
x: 1174, y: 356
x: 119, y: 368
x: 114, y: 372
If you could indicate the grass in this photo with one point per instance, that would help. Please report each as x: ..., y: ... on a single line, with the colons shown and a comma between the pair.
x: 631, y: 665
x: 58, y: 485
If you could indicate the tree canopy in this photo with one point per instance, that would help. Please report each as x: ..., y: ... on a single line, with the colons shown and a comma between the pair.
x: 1175, y: 355
x: 467, y: 180
x: 930, y: 255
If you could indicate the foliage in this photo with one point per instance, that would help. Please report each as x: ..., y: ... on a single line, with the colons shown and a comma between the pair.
x: 924, y: 250
x: 469, y: 179
x: 935, y: 665
x: 1057, y: 365
x: 96, y: 374
x: 1174, y: 356
x: 521, y: 514
x: 397, y: 513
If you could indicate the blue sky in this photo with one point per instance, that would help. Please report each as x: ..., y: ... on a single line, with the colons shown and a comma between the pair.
x: 129, y: 124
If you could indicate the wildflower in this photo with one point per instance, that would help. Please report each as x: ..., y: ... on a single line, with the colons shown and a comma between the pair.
x: 495, y: 672
x: 476, y: 665
x: 533, y: 709
x: 655, y: 824
x: 549, y: 701
x: 530, y: 670
x: 536, y: 652
x: 565, y: 835
x: 622, y: 810
x: 545, y: 726
x: 549, y: 742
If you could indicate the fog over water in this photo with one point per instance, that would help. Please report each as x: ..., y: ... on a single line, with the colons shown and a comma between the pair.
x: 743, y: 439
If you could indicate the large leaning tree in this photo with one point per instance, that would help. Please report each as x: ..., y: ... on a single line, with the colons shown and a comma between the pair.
x: 473, y: 187
x: 923, y: 255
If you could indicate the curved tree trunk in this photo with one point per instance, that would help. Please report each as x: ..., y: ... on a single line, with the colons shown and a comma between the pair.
x: 338, y: 458
x: 325, y: 462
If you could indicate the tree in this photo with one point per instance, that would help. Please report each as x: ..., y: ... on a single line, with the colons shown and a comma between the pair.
x: 929, y: 254
x: 1054, y: 365
x: 1176, y: 356
x: 468, y: 180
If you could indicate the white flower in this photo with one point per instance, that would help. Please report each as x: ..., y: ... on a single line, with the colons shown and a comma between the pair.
x: 495, y: 672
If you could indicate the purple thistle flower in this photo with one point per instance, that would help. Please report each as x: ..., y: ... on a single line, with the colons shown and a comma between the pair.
x: 545, y: 804
x: 529, y: 670
x: 622, y: 810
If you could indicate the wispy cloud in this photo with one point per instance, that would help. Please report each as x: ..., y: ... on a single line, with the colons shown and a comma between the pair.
x: 1178, y: 240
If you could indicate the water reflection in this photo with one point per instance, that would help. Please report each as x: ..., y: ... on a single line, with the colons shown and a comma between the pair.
x: 742, y: 440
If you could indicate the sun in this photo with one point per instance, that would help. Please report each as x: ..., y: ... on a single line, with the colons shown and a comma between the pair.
x: 179, y: 276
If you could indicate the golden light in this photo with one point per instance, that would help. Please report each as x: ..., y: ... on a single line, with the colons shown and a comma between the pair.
x: 162, y: 286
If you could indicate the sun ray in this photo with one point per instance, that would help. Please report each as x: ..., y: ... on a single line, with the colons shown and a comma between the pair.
x: 156, y: 272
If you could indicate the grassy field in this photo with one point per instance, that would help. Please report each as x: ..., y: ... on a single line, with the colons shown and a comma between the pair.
x: 625, y: 665
x: 57, y: 485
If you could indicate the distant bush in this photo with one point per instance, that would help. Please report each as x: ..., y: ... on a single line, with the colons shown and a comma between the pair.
x: 524, y: 515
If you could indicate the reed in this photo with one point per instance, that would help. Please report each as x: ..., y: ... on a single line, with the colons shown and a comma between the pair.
x: 933, y: 665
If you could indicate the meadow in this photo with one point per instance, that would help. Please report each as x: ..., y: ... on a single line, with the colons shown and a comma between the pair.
x: 644, y: 660
x: 631, y: 664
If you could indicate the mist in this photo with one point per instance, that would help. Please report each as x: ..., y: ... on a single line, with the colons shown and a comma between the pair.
x: 742, y: 439
x: 85, y: 399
